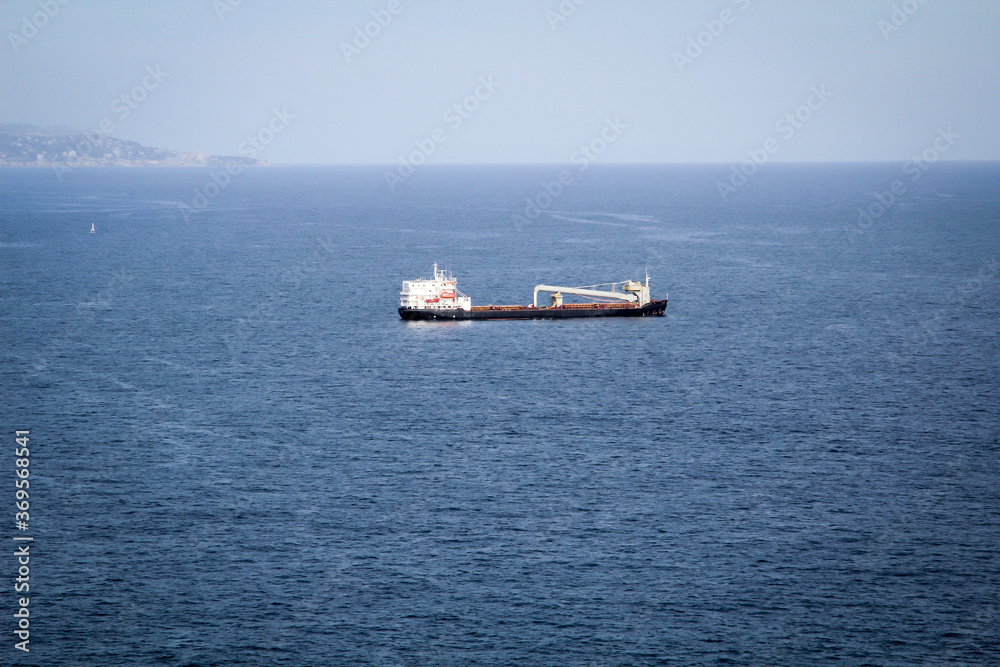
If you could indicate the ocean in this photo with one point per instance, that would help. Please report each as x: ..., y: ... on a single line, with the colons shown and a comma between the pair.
x: 240, y: 455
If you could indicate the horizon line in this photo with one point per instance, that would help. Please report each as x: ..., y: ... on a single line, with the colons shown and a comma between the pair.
x: 390, y: 165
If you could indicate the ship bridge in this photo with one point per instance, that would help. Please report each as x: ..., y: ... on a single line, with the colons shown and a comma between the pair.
x: 437, y: 293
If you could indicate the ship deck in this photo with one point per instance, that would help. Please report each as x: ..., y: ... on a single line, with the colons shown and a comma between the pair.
x: 565, y: 306
x: 530, y: 312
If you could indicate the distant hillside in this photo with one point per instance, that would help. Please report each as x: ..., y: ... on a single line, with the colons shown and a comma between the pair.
x: 30, y: 146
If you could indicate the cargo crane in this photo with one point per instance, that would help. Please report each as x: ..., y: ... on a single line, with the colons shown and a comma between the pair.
x: 635, y: 292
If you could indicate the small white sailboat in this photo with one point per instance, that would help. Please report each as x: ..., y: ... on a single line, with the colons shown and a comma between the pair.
x: 92, y: 230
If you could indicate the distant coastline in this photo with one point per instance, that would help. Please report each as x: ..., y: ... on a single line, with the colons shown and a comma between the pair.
x: 31, y: 146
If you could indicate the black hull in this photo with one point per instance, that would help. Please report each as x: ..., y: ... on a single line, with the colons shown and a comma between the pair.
x: 653, y: 308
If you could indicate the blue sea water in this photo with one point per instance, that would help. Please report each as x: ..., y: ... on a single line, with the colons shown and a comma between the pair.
x: 241, y: 456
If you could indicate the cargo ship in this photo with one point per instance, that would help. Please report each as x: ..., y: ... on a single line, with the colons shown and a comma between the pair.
x: 438, y: 298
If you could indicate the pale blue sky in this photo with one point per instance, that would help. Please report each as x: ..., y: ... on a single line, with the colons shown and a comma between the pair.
x: 890, y: 92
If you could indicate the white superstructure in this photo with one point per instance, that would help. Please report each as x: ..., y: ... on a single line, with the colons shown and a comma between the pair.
x: 438, y: 293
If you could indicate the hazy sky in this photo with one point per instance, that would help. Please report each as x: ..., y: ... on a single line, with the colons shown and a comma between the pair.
x: 664, y: 81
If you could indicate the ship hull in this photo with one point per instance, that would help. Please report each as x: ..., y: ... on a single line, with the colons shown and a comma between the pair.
x: 653, y: 308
